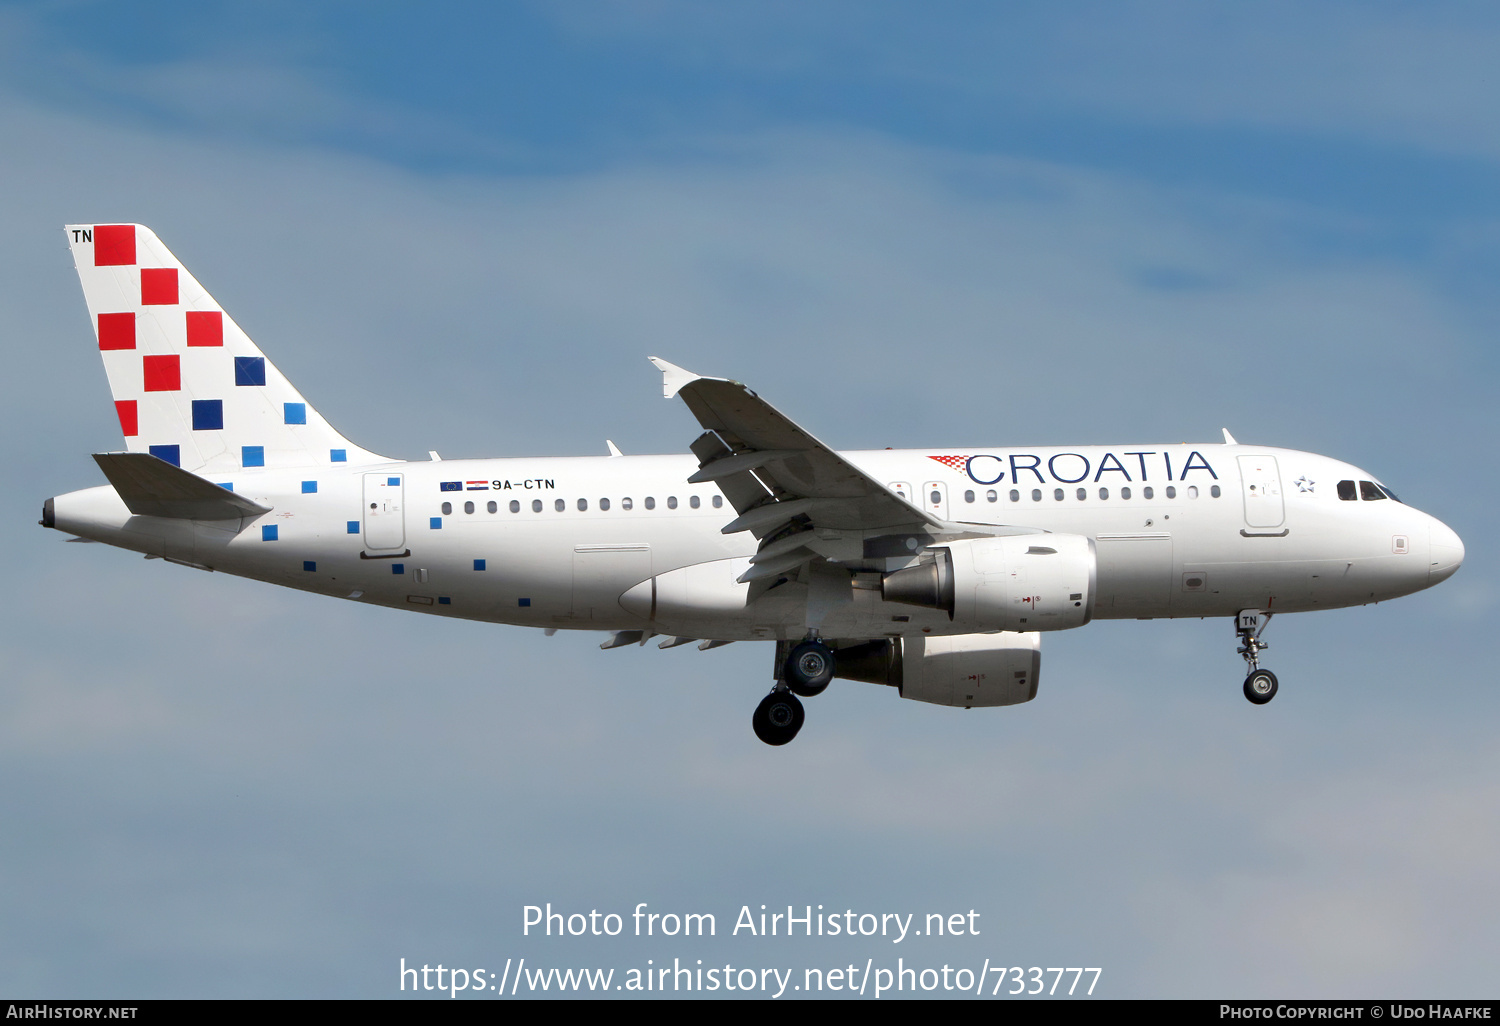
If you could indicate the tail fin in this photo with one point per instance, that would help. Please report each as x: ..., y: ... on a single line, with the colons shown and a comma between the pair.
x: 189, y: 386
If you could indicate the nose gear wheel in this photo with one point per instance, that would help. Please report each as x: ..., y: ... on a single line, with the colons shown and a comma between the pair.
x: 1260, y: 686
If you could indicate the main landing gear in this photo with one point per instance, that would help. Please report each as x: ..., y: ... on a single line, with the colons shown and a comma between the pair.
x: 809, y: 668
x: 1260, y: 685
x: 778, y: 717
x: 805, y: 671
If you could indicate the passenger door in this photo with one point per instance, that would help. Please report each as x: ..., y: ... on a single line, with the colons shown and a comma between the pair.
x: 384, y: 516
x: 1260, y: 481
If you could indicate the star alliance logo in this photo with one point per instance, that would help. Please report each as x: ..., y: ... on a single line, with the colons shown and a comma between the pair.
x: 1304, y: 484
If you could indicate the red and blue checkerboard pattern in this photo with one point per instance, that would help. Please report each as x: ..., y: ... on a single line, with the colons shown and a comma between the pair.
x: 186, y: 380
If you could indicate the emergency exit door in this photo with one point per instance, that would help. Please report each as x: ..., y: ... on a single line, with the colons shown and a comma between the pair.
x: 935, y: 498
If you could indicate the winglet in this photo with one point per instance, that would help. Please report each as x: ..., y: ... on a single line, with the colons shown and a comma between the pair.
x: 1228, y: 438
x: 673, y: 377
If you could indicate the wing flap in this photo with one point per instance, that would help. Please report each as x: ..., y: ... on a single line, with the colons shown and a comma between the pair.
x: 743, y: 490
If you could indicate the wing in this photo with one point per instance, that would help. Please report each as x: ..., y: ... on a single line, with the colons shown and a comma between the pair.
x: 795, y: 494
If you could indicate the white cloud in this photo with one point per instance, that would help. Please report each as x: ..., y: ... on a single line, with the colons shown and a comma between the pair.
x: 1389, y: 75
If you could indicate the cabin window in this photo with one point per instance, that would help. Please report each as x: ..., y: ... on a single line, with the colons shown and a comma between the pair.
x: 991, y: 496
x: 1104, y: 493
x: 536, y: 505
x: 447, y: 508
x: 1148, y: 492
x: 583, y: 505
x: 515, y: 505
x: 1125, y: 493
x: 671, y: 502
x: 1083, y: 493
x: 1171, y: 491
x: 1346, y: 491
x: 1015, y: 495
x: 650, y: 502
x: 1369, y: 491
x: 492, y: 506
x: 969, y: 496
x: 695, y: 502
x: 625, y: 503
x: 604, y: 505
x: 468, y: 507
x: 1036, y: 495
x: 937, y: 497
x: 1057, y: 494
x: 559, y: 504
x: 1214, y: 492
x: 1192, y: 491
x: 718, y: 501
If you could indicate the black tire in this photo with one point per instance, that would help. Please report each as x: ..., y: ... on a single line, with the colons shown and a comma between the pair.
x: 778, y: 718
x: 1260, y: 687
x: 809, y: 668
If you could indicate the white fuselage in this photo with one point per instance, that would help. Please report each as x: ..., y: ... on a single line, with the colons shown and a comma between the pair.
x: 621, y: 543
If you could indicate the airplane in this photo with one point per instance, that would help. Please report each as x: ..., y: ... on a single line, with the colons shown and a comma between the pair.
x: 933, y: 571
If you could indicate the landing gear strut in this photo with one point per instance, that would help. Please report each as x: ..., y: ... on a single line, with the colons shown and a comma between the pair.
x: 1260, y: 685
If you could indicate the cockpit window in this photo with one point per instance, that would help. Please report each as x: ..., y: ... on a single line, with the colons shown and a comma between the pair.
x: 1346, y: 491
x: 1391, y: 494
x: 1369, y: 490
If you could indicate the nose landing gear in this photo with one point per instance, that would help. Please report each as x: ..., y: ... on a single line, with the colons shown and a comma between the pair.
x: 1260, y: 685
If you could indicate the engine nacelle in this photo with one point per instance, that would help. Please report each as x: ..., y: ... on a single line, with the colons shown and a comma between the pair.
x: 1036, y: 582
x: 971, y: 669
x: 964, y: 670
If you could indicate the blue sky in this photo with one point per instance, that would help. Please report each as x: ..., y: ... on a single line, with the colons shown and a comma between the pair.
x: 463, y: 227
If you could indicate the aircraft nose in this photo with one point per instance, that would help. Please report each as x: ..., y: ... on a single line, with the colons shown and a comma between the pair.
x: 1447, y: 552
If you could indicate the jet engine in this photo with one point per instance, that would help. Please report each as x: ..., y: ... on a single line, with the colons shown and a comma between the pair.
x: 1036, y: 582
x: 958, y: 670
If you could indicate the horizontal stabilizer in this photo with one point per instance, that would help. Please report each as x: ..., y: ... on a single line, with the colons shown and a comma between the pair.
x: 152, y: 487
